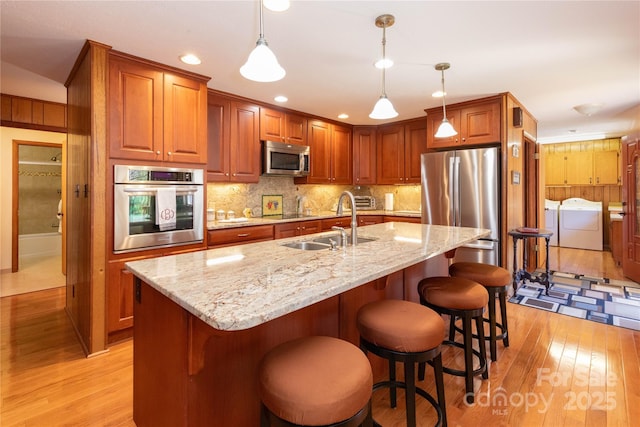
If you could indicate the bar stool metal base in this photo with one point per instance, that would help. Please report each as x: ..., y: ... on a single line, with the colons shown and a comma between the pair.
x: 468, y: 373
x: 501, y: 293
x: 409, y: 360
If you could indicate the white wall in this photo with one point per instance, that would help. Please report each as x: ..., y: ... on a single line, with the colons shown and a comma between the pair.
x: 7, y: 136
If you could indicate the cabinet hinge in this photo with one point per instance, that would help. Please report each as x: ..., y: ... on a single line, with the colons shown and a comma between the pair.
x: 536, y: 156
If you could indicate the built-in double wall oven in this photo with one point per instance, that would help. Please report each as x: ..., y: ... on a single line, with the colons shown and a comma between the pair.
x: 157, y: 207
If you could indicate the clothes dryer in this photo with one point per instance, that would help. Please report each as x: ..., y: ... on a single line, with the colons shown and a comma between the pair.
x: 580, y: 224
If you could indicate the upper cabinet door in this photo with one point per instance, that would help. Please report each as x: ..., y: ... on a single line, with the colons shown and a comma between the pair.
x: 185, y: 120
x: 341, y: 155
x: 364, y: 155
x: 295, y: 129
x: 320, y: 154
x: 272, y: 127
x: 218, y: 137
x: 415, y: 143
x: 244, y: 149
x: 390, y: 155
x: 135, y: 110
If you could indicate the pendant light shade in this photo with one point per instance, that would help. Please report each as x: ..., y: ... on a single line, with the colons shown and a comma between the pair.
x: 445, y: 129
x: 383, y: 108
x: 262, y: 65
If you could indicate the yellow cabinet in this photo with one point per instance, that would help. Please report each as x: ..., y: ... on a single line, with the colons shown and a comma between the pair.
x: 606, y: 168
x: 582, y: 168
x: 579, y: 168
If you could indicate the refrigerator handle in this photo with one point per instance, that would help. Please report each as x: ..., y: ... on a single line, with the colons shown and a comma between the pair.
x: 457, y: 207
x: 452, y: 191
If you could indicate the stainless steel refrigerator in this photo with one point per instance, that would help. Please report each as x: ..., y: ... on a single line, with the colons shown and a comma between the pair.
x: 462, y: 188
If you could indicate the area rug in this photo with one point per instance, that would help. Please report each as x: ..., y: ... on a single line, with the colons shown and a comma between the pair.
x: 613, y: 302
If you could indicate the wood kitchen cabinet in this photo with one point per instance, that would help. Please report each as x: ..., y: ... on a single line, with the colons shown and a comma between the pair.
x: 395, y: 218
x: 28, y: 113
x: 399, y: 147
x: 369, y: 219
x: 119, y: 292
x: 281, y: 126
x: 582, y: 168
x: 606, y: 168
x: 364, y: 155
x: 233, y: 140
x: 339, y: 221
x: 239, y: 235
x: 330, y: 154
x: 297, y: 228
x: 156, y: 114
x: 476, y: 123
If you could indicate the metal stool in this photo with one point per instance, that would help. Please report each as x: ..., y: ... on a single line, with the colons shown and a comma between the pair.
x: 497, y: 281
x: 463, y: 298
x: 319, y: 381
x: 405, y: 332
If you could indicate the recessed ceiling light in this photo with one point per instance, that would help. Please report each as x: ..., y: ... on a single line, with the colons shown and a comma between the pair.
x: 276, y: 5
x: 438, y: 94
x: 384, y: 63
x: 281, y: 98
x: 343, y: 116
x: 190, y: 59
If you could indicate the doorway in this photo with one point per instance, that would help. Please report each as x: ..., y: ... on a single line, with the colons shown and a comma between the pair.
x: 37, y: 210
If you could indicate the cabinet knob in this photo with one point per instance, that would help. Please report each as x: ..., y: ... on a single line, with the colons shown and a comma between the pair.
x: 234, y: 174
x: 158, y: 152
x: 168, y: 153
x: 226, y: 174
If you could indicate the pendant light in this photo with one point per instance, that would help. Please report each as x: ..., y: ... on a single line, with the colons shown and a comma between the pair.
x: 445, y: 130
x: 262, y: 65
x: 383, y: 108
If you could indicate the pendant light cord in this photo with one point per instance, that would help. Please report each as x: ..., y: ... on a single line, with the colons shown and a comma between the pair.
x: 384, y: 58
x: 444, y: 108
x: 261, y: 20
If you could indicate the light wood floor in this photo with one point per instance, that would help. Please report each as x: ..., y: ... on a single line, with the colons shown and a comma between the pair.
x: 557, y: 371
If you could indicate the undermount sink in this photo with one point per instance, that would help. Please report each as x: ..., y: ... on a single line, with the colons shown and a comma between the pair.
x: 325, y: 242
x: 308, y: 245
x: 337, y: 238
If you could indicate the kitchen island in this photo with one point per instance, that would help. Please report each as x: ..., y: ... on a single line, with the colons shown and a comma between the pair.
x: 203, y: 320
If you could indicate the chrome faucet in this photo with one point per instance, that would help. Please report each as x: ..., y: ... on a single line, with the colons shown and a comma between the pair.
x: 354, y: 221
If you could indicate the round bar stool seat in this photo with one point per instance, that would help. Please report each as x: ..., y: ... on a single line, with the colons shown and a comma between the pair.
x: 315, y: 381
x: 497, y: 281
x: 406, y: 332
x: 466, y: 299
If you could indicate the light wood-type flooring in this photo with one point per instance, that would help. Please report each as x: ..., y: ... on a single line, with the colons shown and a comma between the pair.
x: 558, y: 371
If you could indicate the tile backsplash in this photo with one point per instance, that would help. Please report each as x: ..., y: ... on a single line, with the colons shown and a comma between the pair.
x: 318, y: 198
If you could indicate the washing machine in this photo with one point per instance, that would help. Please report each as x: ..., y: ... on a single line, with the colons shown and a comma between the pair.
x: 580, y: 224
x: 551, y: 219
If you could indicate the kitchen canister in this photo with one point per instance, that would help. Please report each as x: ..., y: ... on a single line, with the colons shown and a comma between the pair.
x: 220, y: 214
x: 211, y: 215
x: 388, y: 201
x: 231, y: 215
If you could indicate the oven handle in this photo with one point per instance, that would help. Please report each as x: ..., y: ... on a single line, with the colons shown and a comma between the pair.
x: 143, y: 191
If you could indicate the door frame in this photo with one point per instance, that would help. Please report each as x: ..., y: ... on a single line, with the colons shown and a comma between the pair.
x: 15, y: 189
x: 531, y: 197
x: 630, y: 240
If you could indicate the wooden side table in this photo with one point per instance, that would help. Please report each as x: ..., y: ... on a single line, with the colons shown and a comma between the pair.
x: 521, y: 274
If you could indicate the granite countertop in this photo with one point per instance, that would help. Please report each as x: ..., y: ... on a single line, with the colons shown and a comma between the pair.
x: 238, y: 287
x: 267, y: 220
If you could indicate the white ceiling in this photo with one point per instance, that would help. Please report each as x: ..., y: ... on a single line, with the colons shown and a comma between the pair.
x: 551, y: 55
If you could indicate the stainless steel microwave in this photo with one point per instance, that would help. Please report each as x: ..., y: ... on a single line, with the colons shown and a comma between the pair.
x: 285, y: 159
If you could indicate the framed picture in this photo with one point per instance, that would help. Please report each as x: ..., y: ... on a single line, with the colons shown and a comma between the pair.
x: 272, y: 205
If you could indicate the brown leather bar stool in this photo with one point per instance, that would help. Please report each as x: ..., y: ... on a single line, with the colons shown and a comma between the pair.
x: 405, y: 332
x: 497, y: 281
x: 466, y: 299
x: 315, y: 381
